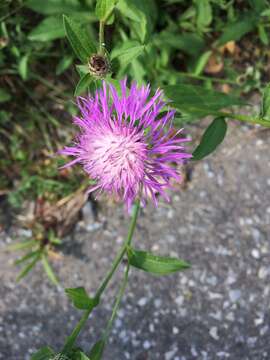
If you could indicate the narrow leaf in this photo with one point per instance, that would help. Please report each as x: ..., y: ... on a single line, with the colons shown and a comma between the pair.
x: 83, y: 84
x: 80, y: 298
x: 23, y: 67
x: 44, y: 353
x: 204, y: 13
x: 239, y: 28
x: 50, y: 28
x: 79, y: 39
x: 28, y: 268
x: 27, y: 257
x: 97, y: 350
x: 212, y: 137
x: 127, y: 52
x: 22, y: 245
x: 51, y: 7
x: 158, y: 265
x: 49, y: 271
x: 199, y: 101
x: 265, y: 106
x: 81, y: 356
x: 64, y: 64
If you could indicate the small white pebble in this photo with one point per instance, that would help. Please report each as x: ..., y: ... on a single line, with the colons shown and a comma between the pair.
x: 214, y: 332
x: 255, y: 253
x: 146, y: 344
x: 142, y: 301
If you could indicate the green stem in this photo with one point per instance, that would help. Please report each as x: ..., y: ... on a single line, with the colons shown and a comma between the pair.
x: 246, y: 118
x: 72, y: 338
x: 202, y: 77
x: 116, y: 305
x: 101, y: 37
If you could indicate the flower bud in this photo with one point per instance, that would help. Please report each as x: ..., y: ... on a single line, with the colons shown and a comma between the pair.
x: 99, y: 65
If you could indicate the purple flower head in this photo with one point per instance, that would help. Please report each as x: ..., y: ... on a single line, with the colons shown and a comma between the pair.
x: 126, y: 144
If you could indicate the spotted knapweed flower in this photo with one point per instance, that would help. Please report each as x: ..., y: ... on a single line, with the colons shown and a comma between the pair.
x: 127, y: 143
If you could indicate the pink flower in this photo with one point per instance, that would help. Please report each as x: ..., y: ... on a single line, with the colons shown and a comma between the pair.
x: 126, y: 144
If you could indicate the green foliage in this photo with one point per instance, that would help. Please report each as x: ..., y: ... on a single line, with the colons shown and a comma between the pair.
x: 197, y: 101
x: 83, y: 84
x: 80, y: 298
x: 212, y: 137
x: 104, y: 9
x: 265, y: 106
x: 45, y: 353
x: 97, y: 350
x: 79, y: 39
x: 158, y: 265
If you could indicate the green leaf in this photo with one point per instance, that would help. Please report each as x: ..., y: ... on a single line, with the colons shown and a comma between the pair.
x: 265, y: 106
x: 80, y: 298
x: 83, y: 84
x: 22, y: 245
x: 28, y: 267
x: 143, y: 15
x: 180, y: 42
x: 97, y: 350
x: 50, y: 28
x: 81, y: 356
x: 23, y: 67
x: 52, y: 7
x: 104, y: 8
x: 27, y: 257
x: 48, y: 269
x: 127, y: 52
x: 158, y: 265
x: 4, y: 96
x: 263, y: 34
x: 64, y: 64
x: 44, y: 353
x: 239, y: 28
x: 201, y: 62
x: 199, y: 101
x: 79, y: 39
x: 204, y: 13
x: 212, y: 137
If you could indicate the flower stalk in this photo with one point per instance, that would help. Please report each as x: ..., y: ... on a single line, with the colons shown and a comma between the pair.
x: 118, y: 259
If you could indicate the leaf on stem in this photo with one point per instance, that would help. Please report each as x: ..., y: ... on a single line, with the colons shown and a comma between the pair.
x: 28, y: 267
x: 158, y: 265
x: 97, y: 350
x: 80, y: 298
x: 127, y: 52
x: 49, y: 271
x: 212, y: 137
x: 79, y: 39
x: 83, y: 84
x: 265, y: 106
x: 44, y: 353
x: 199, y: 101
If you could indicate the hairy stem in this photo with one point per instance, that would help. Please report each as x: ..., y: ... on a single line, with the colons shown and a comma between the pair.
x: 246, y: 118
x: 101, y: 37
x: 72, y: 338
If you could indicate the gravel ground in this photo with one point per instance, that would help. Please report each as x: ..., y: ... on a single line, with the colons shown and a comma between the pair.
x: 217, y: 310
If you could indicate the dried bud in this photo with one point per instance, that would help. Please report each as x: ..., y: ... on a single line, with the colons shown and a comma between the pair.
x: 99, y: 65
x: 3, y: 42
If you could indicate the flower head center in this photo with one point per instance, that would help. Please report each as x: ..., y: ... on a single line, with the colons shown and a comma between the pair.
x: 118, y: 155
